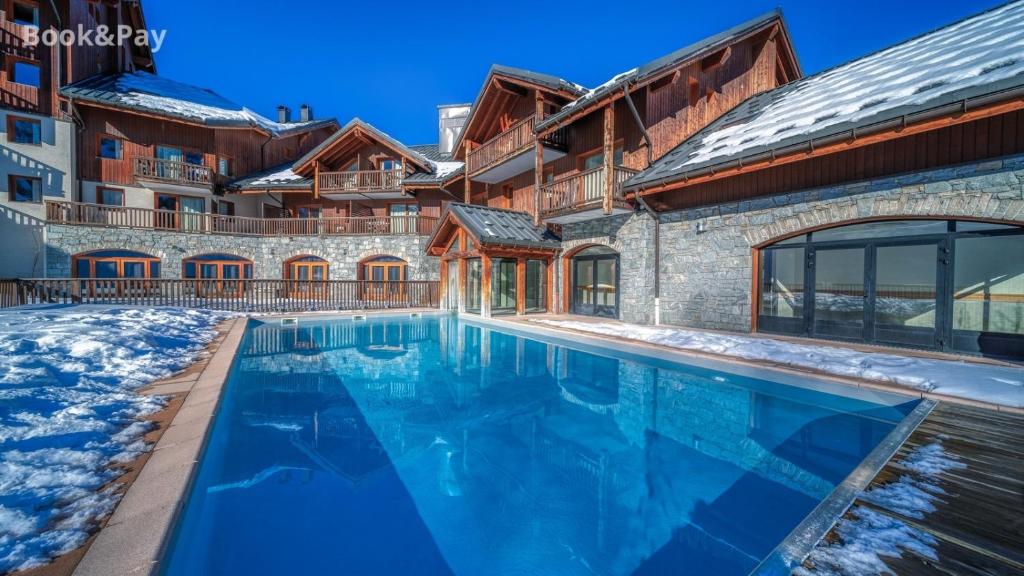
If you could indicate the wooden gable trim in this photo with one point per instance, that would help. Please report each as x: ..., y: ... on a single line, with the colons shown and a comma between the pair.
x: 365, y: 136
x: 850, y: 144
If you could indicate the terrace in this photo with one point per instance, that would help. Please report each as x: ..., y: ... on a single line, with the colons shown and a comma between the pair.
x: 84, y: 214
x: 172, y: 172
x: 353, y: 184
x: 584, y: 195
x: 506, y: 154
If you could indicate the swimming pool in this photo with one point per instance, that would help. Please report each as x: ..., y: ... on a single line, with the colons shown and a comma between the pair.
x: 437, y: 446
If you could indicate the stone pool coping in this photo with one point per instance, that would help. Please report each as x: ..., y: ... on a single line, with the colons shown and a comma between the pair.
x: 133, y: 539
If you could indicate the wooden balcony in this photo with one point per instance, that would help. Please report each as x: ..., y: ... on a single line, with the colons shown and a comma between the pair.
x: 581, y: 196
x: 80, y: 214
x: 173, y: 172
x: 358, y: 182
x: 507, y: 154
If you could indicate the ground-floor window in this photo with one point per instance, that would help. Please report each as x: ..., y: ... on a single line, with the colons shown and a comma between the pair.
x: 503, y: 286
x: 595, y: 282
x: 109, y: 264
x: 947, y: 285
x: 308, y: 275
x: 536, y: 286
x: 474, y: 274
x: 217, y: 274
x: 385, y: 275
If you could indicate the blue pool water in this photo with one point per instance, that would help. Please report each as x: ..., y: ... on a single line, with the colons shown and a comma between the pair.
x: 434, y: 446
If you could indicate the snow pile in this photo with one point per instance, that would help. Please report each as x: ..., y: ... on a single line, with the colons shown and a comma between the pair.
x: 68, y: 413
x: 866, y: 536
x: 281, y: 177
x: 996, y: 384
x: 146, y: 90
x: 979, y: 51
x: 444, y: 169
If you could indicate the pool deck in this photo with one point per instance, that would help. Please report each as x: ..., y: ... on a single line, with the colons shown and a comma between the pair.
x: 978, y: 523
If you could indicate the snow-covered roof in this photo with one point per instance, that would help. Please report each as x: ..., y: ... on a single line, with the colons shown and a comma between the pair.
x: 146, y: 92
x: 444, y: 168
x: 661, y: 64
x: 980, y: 56
x: 280, y: 177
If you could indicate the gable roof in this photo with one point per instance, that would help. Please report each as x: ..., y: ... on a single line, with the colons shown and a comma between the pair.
x: 497, y: 227
x: 300, y: 165
x: 980, y: 58
x: 659, y: 65
x: 546, y: 81
x: 151, y: 94
x: 280, y: 177
x: 445, y: 168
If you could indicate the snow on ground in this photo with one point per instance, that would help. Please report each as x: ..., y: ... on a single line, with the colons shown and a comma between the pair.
x: 68, y: 411
x: 1002, y: 385
x: 867, y: 536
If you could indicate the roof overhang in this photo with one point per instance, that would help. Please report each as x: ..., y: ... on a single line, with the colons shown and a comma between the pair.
x: 359, y: 131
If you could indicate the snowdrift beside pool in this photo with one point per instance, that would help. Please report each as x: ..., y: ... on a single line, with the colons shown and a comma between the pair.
x: 1001, y: 385
x: 68, y: 411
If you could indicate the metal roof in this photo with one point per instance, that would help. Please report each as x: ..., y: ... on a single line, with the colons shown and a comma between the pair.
x: 976, y: 60
x: 279, y: 177
x: 498, y: 227
x: 658, y: 65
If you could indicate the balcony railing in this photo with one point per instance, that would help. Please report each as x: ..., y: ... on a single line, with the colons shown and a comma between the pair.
x: 80, y: 214
x: 510, y: 143
x: 361, y: 181
x: 173, y: 172
x: 236, y: 295
x: 580, y: 190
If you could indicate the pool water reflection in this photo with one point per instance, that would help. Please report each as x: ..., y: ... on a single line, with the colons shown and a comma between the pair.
x: 431, y: 446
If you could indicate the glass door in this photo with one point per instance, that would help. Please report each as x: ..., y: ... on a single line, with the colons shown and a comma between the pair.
x: 192, y: 210
x: 170, y: 167
x: 167, y: 217
x: 840, y: 294
x: 906, y: 294
x: 595, y: 283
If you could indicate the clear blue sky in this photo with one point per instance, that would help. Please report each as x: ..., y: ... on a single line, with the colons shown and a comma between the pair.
x: 391, y: 63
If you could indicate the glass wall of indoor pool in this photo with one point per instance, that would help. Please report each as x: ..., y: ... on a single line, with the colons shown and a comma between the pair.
x: 436, y: 446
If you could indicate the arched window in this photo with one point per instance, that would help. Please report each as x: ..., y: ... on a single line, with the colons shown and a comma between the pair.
x: 940, y: 284
x: 306, y: 267
x: 385, y: 268
x: 216, y: 267
x: 115, y: 264
x: 217, y: 274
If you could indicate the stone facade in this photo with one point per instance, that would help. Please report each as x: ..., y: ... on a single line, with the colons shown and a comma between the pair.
x: 707, y: 253
x: 268, y: 254
x: 632, y: 236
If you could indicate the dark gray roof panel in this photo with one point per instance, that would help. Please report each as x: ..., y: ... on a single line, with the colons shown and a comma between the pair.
x: 494, y: 226
x: 279, y: 177
x: 976, y: 58
x: 659, y: 64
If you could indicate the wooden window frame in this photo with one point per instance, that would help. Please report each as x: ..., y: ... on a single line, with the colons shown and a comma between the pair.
x: 381, y: 289
x: 9, y: 8
x: 235, y: 286
x: 231, y: 166
x: 11, y: 61
x: 99, y: 147
x: 217, y: 203
x: 184, y: 150
x: 177, y: 209
x: 306, y: 288
x: 616, y: 145
x: 99, y: 195
x: 12, y: 119
x: 119, y: 262
x: 10, y: 188
x: 319, y: 208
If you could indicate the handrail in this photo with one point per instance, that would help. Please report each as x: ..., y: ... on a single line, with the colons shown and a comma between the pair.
x: 511, y: 142
x: 581, y: 188
x: 361, y: 181
x: 84, y: 214
x: 172, y: 171
x: 234, y: 295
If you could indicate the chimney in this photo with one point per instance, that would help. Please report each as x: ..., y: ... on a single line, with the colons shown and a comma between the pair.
x: 451, y: 119
x: 305, y: 113
x: 284, y: 114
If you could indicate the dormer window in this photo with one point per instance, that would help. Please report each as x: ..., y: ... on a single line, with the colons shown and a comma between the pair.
x: 390, y: 165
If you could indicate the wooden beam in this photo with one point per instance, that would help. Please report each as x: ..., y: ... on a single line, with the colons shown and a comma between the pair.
x: 609, y: 157
x: 538, y: 164
x: 468, y: 195
x: 316, y: 180
x: 851, y: 144
x: 521, y: 286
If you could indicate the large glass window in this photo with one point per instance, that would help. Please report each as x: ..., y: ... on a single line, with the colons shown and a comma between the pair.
x: 503, y: 285
x: 536, y: 285
x: 24, y: 130
x: 924, y: 283
x: 988, y: 284
x: 595, y: 280
x: 116, y: 264
x: 474, y: 273
x: 217, y: 274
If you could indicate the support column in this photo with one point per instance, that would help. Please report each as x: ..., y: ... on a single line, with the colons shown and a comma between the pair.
x: 538, y: 166
x: 468, y: 194
x: 485, y: 285
x: 609, y: 156
x: 521, y: 286
x: 442, y: 286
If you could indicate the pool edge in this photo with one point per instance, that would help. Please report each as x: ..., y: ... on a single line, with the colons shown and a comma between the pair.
x: 138, y: 532
x: 792, y: 551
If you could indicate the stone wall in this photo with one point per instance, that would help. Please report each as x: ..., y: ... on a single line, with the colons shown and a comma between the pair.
x: 707, y: 276
x: 706, y: 253
x: 267, y: 253
x: 632, y: 236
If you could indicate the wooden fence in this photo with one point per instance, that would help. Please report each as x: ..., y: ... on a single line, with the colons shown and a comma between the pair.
x: 233, y: 295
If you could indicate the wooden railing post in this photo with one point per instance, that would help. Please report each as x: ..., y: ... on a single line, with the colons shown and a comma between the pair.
x: 609, y: 156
